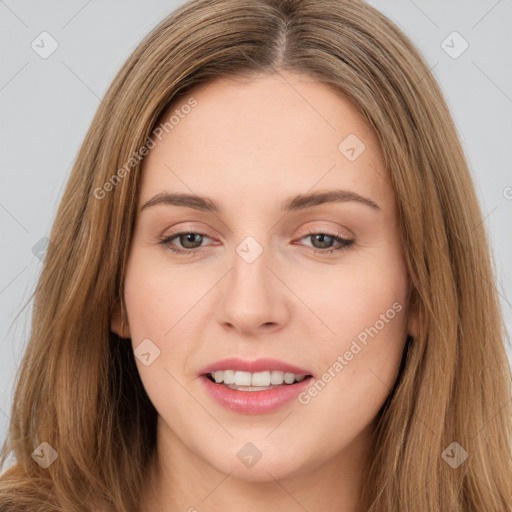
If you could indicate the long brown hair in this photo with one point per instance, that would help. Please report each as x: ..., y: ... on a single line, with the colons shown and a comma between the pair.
x: 78, y: 387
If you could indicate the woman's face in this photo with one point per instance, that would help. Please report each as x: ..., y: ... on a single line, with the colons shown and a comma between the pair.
x: 273, y: 170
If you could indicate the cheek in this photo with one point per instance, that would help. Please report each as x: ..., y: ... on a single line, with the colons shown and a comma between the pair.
x: 370, y: 307
x: 168, y: 306
x: 358, y: 358
x: 356, y: 367
x: 159, y: 303
x: 353, y: 298
x: 157, y: 296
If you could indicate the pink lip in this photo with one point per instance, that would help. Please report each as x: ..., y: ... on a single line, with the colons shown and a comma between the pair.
x: 259, y: 365
x: 254, y: 402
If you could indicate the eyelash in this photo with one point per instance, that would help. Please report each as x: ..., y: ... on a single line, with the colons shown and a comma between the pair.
x: 344, y: 242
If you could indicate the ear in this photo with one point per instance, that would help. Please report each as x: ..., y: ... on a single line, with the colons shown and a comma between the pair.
x: 413, y: 313
x: 119, y: 323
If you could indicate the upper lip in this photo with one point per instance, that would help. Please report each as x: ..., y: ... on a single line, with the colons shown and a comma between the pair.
x: 258, y: 365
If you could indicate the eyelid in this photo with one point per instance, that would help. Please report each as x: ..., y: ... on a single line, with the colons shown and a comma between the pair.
x: 328, y: 230
x: 184, y: 227
x: 305, y: 231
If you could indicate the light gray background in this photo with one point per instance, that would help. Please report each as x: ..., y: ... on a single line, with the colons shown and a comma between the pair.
x: 48, y: 104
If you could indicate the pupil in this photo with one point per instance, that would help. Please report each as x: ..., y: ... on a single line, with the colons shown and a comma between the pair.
x: 189, y: 238
x: 322, y: 239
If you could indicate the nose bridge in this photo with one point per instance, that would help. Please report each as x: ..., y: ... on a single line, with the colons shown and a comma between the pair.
x: 253, y: 296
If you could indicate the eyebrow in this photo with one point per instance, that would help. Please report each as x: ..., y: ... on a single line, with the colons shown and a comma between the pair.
x: 299, y: 202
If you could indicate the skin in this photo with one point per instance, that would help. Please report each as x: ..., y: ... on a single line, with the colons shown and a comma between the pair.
x: 250, y: 144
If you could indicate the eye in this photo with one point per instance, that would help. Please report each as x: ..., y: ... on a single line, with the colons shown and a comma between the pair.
x: 191, y: 242
x: 325, y: 241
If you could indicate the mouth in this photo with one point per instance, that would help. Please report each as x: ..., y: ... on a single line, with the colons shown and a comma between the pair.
x: 254, y: 387
x: 255, y: 381
x: 257, y: 395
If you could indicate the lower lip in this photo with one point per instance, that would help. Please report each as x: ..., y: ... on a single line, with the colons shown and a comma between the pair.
x: 254, y: 402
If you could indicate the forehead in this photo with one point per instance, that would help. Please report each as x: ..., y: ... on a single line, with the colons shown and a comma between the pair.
x: 267, y: 136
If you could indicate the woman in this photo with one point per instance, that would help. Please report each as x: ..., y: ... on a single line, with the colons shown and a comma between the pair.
x: 268, y: 284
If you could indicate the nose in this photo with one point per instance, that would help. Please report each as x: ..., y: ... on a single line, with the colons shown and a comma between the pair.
x: 253, y: 298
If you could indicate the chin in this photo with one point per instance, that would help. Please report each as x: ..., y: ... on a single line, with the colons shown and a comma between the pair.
x: 246, y: 462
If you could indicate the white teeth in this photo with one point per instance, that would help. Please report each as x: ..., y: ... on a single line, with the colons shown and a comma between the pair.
x: 229, y: 377
x: 261, y: 379
x: 243, y: 378
x: 276, y: 378
x: 289, y: 378
x: 256, y: 379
